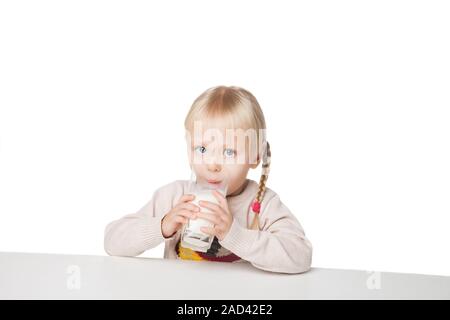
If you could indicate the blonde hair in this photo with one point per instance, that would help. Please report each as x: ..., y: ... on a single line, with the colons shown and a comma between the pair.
x: 240, y: 109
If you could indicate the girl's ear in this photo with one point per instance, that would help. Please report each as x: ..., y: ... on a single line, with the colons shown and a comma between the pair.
x: 255, y: 165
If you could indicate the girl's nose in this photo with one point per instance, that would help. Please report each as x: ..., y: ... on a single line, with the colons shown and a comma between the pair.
x: 214, y: 167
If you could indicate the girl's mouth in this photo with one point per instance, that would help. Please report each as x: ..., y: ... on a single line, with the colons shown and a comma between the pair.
x: 213, y: 182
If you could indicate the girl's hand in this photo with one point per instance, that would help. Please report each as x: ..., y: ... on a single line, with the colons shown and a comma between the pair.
x: 220, y: 215
x: 179, y: 215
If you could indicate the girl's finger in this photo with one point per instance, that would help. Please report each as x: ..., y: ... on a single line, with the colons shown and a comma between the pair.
x: 186, y: 198
x: 188, y: 214
x: 209, y: 205
x: 189, y: 206
x: 181, y: 219
x: 220, y: 198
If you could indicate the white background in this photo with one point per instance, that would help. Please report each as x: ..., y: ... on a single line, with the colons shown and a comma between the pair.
x: 93, y: 96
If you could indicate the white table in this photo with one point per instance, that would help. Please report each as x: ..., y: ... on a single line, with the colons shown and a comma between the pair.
x: 50, y: 276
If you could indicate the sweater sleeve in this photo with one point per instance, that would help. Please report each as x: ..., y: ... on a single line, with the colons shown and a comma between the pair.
x: 280, y: 245
x: 135, y: 233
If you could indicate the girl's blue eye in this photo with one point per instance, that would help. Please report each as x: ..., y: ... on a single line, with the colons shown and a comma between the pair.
x: 200, y: 149
x: 229, y: 152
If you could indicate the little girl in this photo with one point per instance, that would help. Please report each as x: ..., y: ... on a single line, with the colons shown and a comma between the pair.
x: 249, y: 224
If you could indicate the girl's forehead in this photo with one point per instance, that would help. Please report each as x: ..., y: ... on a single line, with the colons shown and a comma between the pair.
x: 217, y: 135
x: 218, y: 130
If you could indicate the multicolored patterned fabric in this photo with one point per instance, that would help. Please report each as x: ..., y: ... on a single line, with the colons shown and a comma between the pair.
x: 215, y: 253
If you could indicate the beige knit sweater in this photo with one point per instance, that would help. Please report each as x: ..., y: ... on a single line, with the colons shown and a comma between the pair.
x: 279, y: 246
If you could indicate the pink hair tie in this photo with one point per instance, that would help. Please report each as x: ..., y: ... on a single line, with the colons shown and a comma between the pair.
x: 256, y: 206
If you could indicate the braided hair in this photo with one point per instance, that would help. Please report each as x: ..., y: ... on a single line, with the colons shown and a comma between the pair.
x: 256, y: 205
